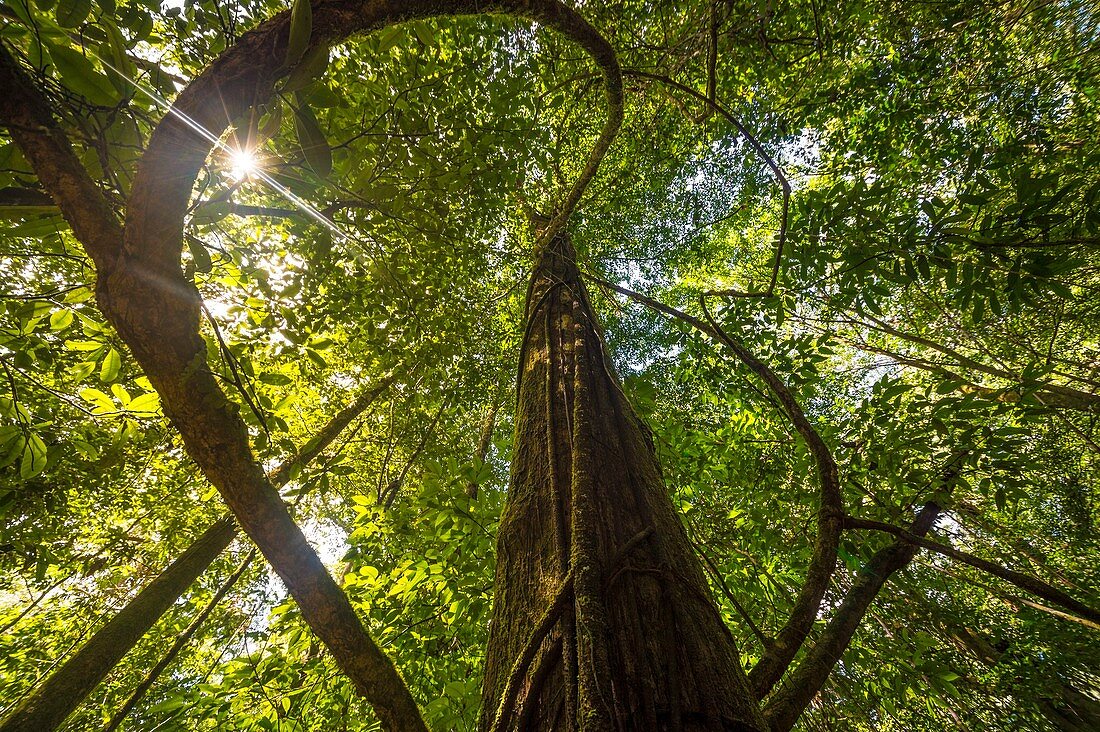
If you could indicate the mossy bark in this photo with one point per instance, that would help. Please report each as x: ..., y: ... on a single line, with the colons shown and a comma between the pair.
x: 603, y: 618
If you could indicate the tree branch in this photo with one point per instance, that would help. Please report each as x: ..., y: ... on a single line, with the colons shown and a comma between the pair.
x: 799, y: 688
x: 1066, y: 394
x: 1024, y: 582
x: 26, y: 114
x: 776, y: 659
x: 768, y: 160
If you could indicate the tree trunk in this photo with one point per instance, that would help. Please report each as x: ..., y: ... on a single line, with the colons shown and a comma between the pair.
x: 603, y: 618
x: 57, y: 697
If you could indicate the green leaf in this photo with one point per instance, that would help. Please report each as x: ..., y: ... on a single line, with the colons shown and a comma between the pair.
x: 312, y: 140
x: 83, y: 345
x: 15, y: 445
x: 147, y: 404
x: 33, y: 460
x: 321, y: 97
x: 121, y: 394
x: 978, y: 312
x: 61, y: 319
x: 102, y: 403
x: 424, y: 32
x: 210, y: 212
x: 273, y: 121
x: 310, y: 68
x: 389, y: 38
x: 169, y: 705
x: 112, y: 363
x: 78, y: 74
x: 301, y: 28
x: 117, y: 49
x: 199, y: 254
x: 71, y: 13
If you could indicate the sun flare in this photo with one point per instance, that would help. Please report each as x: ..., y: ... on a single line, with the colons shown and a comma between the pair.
x: 242, y: 164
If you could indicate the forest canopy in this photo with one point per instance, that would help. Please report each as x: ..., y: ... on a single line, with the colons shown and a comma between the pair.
x: 516, y: 365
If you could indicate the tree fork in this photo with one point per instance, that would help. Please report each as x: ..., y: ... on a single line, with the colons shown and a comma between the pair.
x: 789, y: 701
x: 1025, y: 582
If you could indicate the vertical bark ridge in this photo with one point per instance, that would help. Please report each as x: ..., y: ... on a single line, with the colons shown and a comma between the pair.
x: 638, y: 644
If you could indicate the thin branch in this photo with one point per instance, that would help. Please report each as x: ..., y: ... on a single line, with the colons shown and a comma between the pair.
x: 765, y: 641
x: 485, y: 437
x: 1025, y: 582
x: 332, y: 429
x: 712, y: 64
x: 1014, y: 601
x: 768, y: 160
x: 395, y: 486
x: 179, y: 644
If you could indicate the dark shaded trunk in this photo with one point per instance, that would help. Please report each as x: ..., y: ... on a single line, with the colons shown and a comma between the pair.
x: 56, y: 698
x: 603, y: 618
x: 178, y: 645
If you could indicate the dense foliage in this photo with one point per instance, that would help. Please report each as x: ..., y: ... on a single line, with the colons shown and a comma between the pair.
x: 935, y: 310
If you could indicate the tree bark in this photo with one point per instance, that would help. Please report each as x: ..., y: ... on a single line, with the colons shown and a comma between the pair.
x: 603, y: 618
